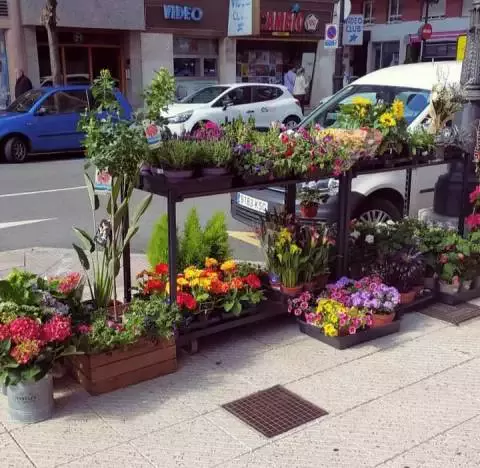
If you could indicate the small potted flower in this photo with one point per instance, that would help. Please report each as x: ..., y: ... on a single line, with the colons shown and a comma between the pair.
x: 422, y: 145
x: 309, y: 200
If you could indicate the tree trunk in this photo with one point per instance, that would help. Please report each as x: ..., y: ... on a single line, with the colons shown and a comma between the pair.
x: 49, y: 20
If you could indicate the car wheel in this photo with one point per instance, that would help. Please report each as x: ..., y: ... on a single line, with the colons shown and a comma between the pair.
x: 291, y: 121
x: 16, y: 150
x: 377, y: 210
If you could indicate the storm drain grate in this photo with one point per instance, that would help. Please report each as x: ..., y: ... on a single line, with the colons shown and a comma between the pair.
x: 274, y: 411
x: 453, y: 314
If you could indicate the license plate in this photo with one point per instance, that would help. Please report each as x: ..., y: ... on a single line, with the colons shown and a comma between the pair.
x: 252, y: 203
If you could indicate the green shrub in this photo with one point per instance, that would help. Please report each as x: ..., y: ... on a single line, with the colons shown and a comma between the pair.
x: 215, y: 238
x: 192, y: 247
x: 157, y: 251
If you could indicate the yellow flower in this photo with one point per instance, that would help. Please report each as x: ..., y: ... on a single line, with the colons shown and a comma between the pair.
x: 182, y: 282
x: 387, y: 120
x: 330, y: 330
x: 194, y: 282
x: 192, y: 272
x: 361, y: 101
x: 398, y: 109
x: 210, y: 262
x: 294, y: 248
x: 229, y: 265
x: 205, y: 283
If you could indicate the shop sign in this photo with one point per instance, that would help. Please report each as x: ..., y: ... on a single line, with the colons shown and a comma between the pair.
x: 240, y: 18
x: 182, y: 13
x: 331, y: 36
x: 353, y: 30
x: 287, y: 22
x: 461, y: 47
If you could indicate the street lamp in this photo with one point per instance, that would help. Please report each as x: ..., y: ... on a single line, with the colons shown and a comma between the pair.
x: 338, y: 75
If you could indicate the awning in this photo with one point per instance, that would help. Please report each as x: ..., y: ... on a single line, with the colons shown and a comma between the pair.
x: 438, y: 36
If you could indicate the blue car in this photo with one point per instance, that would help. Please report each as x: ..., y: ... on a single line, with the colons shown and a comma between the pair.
x: 46, y: 121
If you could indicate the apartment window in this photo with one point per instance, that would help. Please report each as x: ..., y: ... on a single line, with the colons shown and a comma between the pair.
x: 385, y: 54
x: 394, y: 11
x: 369, y: 11
x: 436, y: 9
x: 3, y: 8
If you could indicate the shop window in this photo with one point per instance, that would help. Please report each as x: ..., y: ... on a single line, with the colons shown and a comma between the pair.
x: 265, y: 93
x: 210, y: 67
x: 394, y: 11
x: 436, y: 9
x: 369, y: 11
x: 195, y: 58
x: 466, y: 7
x: 66, y: 102
x: 386, y: 54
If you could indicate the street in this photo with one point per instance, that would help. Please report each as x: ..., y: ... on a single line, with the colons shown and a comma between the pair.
x: 42, y: 199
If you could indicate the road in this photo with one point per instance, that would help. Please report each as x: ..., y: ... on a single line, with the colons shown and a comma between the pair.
x: 42, y: 199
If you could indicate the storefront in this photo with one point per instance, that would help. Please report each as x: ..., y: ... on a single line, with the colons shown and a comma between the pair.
x: 195, y: 31
x: 442, y: 46
x: 289, y: 36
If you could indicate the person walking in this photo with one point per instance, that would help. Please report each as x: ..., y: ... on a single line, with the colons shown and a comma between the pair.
x: 300, y: 88
x: 289, y: 79
x: 22, y: 85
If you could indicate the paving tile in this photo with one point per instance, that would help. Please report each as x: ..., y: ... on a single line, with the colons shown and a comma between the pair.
x: 142, y: 408
x: 278, y: 333
x: 74, y: 432
x: 11, y: 456
x: 459, y: 447
x: 196, y: 443
x: 375, y: 375
x: 377, y: 431
x: 117, y: 457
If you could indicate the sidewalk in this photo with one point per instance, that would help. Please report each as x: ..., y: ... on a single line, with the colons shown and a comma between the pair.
x: 406, y: 400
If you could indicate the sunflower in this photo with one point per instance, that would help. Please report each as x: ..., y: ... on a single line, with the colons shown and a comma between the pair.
x: 398, y: 109
x: 361, y: 101
x: 387, y: 120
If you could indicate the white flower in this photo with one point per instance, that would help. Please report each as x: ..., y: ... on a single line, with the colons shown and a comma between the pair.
x: 290, y: 132
x: 369, y: 239
x: 390, y: 222
x: 355, y: 234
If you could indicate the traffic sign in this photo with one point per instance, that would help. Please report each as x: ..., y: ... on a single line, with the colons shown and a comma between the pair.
x: 353, y: 30
x: 331, y: 36
x: 425, y: 32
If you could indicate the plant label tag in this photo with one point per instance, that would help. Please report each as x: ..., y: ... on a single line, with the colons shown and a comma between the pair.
x: 104, y: 233
x: 153, y: 133
x: 103, y: 180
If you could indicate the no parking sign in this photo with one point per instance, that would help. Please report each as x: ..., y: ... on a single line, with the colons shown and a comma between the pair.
x: 331, y: 36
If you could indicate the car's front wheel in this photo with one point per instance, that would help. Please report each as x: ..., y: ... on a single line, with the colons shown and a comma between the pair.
x: 291, y: 121
x: 377, y: 210
x: 16, y: 150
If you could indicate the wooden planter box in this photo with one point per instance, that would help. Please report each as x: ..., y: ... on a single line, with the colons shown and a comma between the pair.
x: 344, y: 342
x: 105, y: 372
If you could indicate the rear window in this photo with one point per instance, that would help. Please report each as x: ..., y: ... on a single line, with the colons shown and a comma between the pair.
x: 265, y: 93
x: 415, y: 101
x: 205, y: 95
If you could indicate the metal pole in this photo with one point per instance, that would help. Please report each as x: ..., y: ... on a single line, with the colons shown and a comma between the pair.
x: 424, y: 41
x: 127, y: 270
x: 343, y: 219
x: 290, y: 199
x: 172, y: 245
x: 464, y: 204
x: 338, y: 76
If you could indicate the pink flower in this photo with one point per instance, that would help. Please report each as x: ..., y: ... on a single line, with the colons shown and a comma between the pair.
x: 304, y: 305
x: 58, y: 328
x: 84, y: 329
x: 290, y: 308
x: 369, y: 320
x: 352, y: 330
x: 342, y: 322
x: 24, y: 329
x: 298, y: 312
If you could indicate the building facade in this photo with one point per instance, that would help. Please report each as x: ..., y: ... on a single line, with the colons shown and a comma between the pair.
x: 392, y: 32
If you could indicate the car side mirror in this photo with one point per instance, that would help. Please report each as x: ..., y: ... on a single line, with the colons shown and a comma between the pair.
x: 42, y: 111
x: 227, y: 103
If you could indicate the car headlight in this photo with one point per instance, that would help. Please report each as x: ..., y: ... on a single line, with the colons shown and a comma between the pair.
x: 180, y: 118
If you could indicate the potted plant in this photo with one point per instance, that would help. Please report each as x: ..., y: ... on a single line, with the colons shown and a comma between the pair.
x: 217, y: 157
x: 309, y: 201
x: 177, y: 158
x: 421, y: 144
x: 404, y: 270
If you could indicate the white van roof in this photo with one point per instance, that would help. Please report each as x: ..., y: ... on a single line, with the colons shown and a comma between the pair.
x: 414, y: 75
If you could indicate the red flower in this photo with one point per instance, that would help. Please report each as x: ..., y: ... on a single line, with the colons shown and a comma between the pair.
x: 443, y: 258
x: 475, y: 195
x: 284, y: 138
x: 253, y: 281
x: 218, y: 287
x: 84, y: 329
x: 461, y: 256
x: 473, y: 221
x: 289, y: 152
x: 26, y: 350
x: 24, y: 328
x: 186, y: 300
x: 161, y: 269
x: 58, y: 328
x: 154, y: 285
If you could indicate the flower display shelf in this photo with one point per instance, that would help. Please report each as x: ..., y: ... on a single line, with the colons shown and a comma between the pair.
x: 419, y: 303
x: 109, y: 371
x: 344, y: 342
x: 264, y: 311
x: 458, y: 298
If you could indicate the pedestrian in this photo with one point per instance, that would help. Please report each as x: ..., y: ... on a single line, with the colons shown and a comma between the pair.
x: 23, y: 84
x: 289, y: 78
x: 300, y: 88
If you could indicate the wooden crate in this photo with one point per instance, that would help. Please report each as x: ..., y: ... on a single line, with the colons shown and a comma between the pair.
x: 105, y: 372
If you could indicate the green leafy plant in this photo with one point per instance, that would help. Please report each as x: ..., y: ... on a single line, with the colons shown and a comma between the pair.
x: 21, y: 288
x: 192, y: 247
x: 159, y: 94
x: 157, y: 250
x: 177, y: 154
x: 421, y: 141
x: 216, y: 153
x: 215, y: 238
x: 309, y: 196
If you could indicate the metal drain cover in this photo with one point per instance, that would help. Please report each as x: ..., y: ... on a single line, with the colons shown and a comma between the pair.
x: 274, y: 411
x: 453, y: 314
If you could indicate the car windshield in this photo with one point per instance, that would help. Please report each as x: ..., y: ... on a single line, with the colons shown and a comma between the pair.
x: 205, y: 95
x: 26, y: 101
x: 414, y: 100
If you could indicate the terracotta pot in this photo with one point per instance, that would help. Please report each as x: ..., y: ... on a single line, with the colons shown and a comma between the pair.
x: 309, y: 211
x: 295, y: 291
x: 214, y: 171
x: 178, y: 175
x: 418, y: 288
x: 408, y: 297
x: 379, y: 320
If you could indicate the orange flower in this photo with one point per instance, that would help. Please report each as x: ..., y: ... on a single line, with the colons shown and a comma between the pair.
x: 236, y: 283
x: 210, y: 262
x: 218, y: 287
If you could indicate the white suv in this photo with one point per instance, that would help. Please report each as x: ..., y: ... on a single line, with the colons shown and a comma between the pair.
x: 380, y: 196
x: 266, y: 103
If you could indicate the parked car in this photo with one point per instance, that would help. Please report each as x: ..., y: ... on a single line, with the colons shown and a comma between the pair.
x: 46, y: 120
x: 266, y: 103
x: 375, y: 197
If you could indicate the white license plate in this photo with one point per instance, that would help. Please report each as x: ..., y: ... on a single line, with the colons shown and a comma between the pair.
x: 252, y: 203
